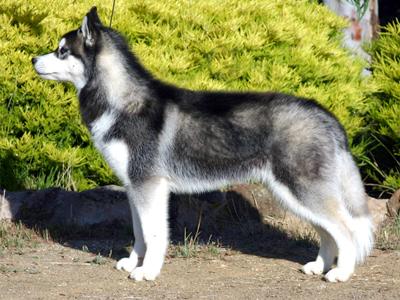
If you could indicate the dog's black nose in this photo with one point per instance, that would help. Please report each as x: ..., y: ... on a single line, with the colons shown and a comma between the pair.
x: 34, y: 60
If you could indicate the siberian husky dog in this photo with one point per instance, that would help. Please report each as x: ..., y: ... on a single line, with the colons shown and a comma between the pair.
x: 159, y: 138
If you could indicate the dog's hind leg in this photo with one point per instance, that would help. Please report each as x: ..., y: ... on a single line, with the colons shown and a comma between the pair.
x: 355, y: 218
x: 336, y: 239
x: 151, y: 204
x: 346, y: 260
x: 320, y: 203
x: 333, y: 223
x: 326, y: 254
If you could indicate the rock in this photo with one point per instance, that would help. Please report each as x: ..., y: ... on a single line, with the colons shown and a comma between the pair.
x: 59, y: 207
x: 377, y: 208
x: 393, y: 205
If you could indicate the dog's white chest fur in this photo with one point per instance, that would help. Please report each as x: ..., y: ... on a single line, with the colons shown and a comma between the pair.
x: 115, y: 151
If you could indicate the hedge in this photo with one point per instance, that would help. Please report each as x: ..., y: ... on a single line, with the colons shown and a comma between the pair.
x: 382, y: 155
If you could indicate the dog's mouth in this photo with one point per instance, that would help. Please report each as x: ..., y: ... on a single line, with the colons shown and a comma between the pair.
x: 44, y: 74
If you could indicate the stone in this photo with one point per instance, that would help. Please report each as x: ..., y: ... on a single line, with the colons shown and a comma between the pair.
x: 393, y: 205
x: 59, y: 207
x: 377, y: 208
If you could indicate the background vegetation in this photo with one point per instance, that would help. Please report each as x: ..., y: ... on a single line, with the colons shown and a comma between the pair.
x: 383, y: 117
x: 290, y: 46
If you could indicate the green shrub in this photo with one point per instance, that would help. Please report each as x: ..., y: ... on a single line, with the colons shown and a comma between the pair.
x: 291, y: 46
x: 383, y: 118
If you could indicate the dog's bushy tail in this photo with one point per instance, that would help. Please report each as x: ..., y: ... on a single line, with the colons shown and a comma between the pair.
x: 356, y: 201
x: 363, y: 237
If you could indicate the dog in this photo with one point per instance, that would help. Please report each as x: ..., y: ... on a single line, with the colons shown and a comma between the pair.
x: 159, y: 138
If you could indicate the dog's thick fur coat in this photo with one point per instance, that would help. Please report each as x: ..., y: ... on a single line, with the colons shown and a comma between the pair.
x: 159, y: 138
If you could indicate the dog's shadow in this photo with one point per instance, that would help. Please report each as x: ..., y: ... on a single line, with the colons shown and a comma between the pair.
x: 229, y: 220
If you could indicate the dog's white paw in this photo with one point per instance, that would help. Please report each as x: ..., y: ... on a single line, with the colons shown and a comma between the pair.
x: 338, y: 275
x: 127, y: 264
x: 141, y: 273
x: 313, y: 268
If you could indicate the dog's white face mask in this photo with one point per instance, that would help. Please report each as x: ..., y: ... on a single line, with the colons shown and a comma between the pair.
x: 60, y: 65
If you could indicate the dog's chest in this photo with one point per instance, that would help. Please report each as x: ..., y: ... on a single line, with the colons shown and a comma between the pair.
x: 115, y: 151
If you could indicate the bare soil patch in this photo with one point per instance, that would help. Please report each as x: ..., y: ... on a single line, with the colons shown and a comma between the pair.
x: 236, y: 245
x: 54, y: 271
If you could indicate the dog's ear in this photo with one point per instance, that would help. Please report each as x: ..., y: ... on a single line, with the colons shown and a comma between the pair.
x: 94, y: 17
x: 90, y: 27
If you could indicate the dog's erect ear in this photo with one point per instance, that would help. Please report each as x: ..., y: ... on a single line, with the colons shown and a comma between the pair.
x: 90, y: 27
x: 94, y: 17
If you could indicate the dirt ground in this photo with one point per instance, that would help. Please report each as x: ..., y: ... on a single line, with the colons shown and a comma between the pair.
x: 54, y: 271
x: 238, y: 252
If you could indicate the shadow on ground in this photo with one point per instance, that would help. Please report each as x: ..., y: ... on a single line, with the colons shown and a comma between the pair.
x: 242, y: 219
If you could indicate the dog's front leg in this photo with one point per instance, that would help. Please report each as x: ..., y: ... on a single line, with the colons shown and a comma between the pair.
x: 150, y: 204
x: 135, y: 259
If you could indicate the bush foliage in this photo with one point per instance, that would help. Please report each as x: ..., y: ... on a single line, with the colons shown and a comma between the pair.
x: 383, y: 118
x: 290, y: 46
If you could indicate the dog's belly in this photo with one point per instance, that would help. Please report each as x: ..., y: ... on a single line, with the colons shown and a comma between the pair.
x: 194, y: 185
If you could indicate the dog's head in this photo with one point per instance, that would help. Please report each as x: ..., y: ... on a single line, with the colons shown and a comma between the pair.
x: 74, y: 54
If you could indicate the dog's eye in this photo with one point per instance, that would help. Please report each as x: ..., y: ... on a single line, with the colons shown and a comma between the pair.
x: 63, y: 50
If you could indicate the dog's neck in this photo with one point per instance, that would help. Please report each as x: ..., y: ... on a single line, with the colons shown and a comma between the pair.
x: 121, y: 84
x: 117, y: 84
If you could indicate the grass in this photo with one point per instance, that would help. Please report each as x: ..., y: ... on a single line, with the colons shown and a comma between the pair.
x: 383, y: 130
x: 389, y: 235
x: 192, y: 246
x: 99, y: 260
x: 16, y: 237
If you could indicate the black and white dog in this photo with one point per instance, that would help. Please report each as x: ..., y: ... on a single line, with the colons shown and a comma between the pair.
x: 160, y: 138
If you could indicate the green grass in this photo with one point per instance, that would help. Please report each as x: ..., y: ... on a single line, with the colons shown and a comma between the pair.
x: 99, y: 260
x: 15, y: 237
x: 383, y: 130
x: 189, y: 247
x: 192, y: 247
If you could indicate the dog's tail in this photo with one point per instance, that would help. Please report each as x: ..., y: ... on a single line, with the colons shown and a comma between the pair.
x: 363, y: 237
x: 356, y: 202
